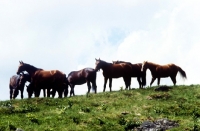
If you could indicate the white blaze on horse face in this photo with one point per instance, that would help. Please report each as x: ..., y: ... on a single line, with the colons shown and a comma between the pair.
x: 142, y: 69
x: 97, y: 65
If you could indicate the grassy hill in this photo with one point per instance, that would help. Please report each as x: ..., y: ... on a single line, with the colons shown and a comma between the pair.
x: 120, y: 110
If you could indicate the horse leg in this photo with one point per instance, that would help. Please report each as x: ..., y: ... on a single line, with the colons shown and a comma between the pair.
x: 89, y: 86
x: 94, y: 86
x: 11, y: 92
x: 72, y: 90
x: 152, y: 80
x: 53, y: 92
x: 66, y: 92
x: 129, y: 82
x: 158, y: 81
x: 60, y: 91
x: 44, y: 92
x: 48, y: 92
x: 126, y: 82
x: 173, y: 80
x: 139, y: 82
x: 105, y: 82
x: 37, y: 92
x: 22, y: 96
x: 110, y: 84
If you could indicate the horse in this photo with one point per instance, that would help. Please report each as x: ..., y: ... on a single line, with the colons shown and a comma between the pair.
x: 162, y: 71
x: 136, y: 72
x: 42, y: 79
x: 86, y: 75
x: 30, y: 90
x: 114, y: 71
x: 17, y: 83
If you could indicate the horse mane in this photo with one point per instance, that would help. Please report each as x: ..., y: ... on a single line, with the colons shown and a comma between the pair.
x: 106, y: 62
x: 155, y: 64
x: 33, y: 67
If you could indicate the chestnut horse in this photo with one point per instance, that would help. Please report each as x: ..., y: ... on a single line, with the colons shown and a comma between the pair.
x: 136, y: 72
x: 114, y: 71
x: 162, y: 71
x: 42, y: 79
x: 86, y: 75
x: 17, y: 83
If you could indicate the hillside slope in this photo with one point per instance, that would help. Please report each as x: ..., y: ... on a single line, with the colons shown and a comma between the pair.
x: 120, y: 110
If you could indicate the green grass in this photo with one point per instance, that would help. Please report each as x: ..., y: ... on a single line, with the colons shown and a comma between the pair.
x: 119, y: 110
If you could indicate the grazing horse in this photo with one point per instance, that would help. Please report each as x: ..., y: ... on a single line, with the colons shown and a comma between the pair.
x: 136, y: 72
x: 30, y: 90
x: 86, y: 75
x: 17, y: 83
x: 162, y: 71
x: 42, y: 79
x: 114, y: 71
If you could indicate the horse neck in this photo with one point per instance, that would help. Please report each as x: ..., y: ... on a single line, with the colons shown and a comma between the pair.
x: 105, y: 65
x: 152, y: 66
x: 31, y: 69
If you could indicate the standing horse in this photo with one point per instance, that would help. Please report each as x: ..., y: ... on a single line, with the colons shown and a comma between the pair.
x: 114, y: 71
x: 42, y: 79
x: 86, y: 75
x: 162, y: 71
x: 17, y: 83
x: 136, y: 72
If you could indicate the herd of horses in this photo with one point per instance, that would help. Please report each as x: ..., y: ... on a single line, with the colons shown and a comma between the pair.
x: 53, y: 81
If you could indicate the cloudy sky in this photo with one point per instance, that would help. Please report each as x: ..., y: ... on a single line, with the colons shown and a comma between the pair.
x: 68, y: 35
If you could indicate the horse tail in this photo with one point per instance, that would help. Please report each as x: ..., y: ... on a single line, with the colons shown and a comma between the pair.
x: 182, y: 72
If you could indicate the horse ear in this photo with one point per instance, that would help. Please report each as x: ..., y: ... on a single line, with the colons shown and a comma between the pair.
x: 99, y: 58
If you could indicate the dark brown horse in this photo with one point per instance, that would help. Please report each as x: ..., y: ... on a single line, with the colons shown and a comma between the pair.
x: 42, y: 79
x: 114, y: 71
x: 136, y: 72
x: 86, y: 75
x: 30, y: 90
x: 162, y: 71
x: 17, y: 83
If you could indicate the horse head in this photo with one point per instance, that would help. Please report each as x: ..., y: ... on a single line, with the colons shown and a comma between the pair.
x: 98, y: 64
x: 29, y: 90
x: 15, y: 93
x: 21, y: 67
x: 144, y: 66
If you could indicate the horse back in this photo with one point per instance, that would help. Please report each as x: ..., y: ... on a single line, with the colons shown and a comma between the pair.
x: 49, y: 76
x: 89, y: 73
x: 166, y: 70
x: 14, y: 81
x: 117, y: 70
x: 136, y: 69
x: 76, y: 78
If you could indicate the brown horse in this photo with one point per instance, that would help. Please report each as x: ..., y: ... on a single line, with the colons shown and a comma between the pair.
x: 136, y: 72
x: 162, y: 71
x: 86, y: 75
x: 17, y: 83
x: 42, y: 79
x: 114, y: 71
